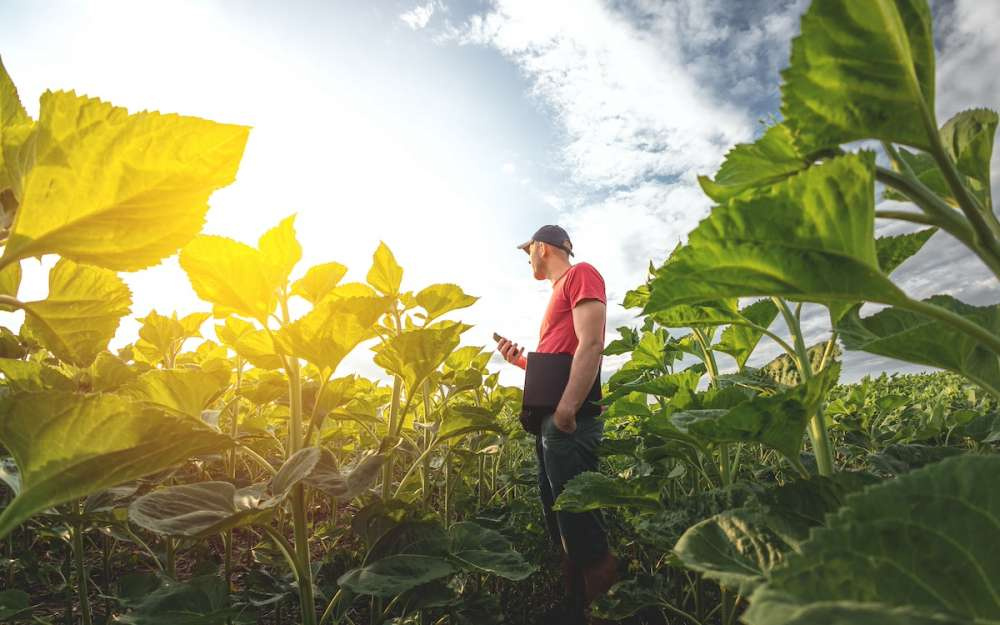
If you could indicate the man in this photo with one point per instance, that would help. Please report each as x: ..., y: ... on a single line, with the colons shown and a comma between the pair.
x: 567, y: 443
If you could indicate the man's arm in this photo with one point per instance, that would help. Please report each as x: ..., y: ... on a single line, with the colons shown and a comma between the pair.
x: 588, y: 322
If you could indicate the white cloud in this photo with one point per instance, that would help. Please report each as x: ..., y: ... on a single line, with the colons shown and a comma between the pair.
x: 508, y: 168
x: 638, y: 121
x: 419, y: 17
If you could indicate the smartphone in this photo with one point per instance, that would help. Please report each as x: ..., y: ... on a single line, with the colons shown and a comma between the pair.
x: 497, y: 337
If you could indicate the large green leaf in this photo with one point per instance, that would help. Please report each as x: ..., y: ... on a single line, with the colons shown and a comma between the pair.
x: 861, y: 69
x: 231, y: 276
x: 460, y: 419
x: 439, y: 299
x: 809, y: 238
x: 202, y: 600
x: 739, y: 547
x: 483, y: 549
x: 334, y: 327
x: 68, y: 446
x: 914, y: 337
x: 385, y: 274
x: 916, y: 549
x: 80, y: 316
x: 185, y: 392
x: 739, y: 339
x: 317, y: 467
x: 776, y: 421
x: 735, y: 547
x: 201, y: 510
x: 770, y: 159
x: 395, y: 574
x: 117, y: 190
x: 318, y: 281
x: 415, y: 354
x: 703, y: 314
x: 592, y: 491
x: 665, y: 385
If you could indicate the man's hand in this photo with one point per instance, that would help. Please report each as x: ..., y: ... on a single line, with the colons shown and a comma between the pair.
x: 512, y: 353
x: 564, y: 419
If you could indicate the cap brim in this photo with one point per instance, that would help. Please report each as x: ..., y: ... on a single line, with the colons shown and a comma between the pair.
x: 524, y: 246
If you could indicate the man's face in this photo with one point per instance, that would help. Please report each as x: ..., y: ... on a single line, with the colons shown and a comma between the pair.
x: 536, y: 260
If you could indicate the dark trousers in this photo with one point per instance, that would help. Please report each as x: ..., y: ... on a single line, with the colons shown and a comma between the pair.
x: 561, y: 457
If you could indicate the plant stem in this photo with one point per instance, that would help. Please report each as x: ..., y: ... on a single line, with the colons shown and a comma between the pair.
x: 299, y: 521
x: 397, y: 389
x: 82, y: 586
x: 818, y: 434
x: 708, y: 356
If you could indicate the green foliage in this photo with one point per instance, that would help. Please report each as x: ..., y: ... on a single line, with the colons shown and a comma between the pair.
x: 68, y: 446
x: 396, y: 574
x: 481, y: 549
x: 592, y: 491
x: 414, y: 354
x: 809, y: 237
x: 202, y: 600
x: 768, y: 160
x: 81, y: 313
x: 331, y: 330
x: 86, y: 164
x: 200, y: 510
x: 874, y: 562
x: 915, y: 337
x: 860, y: 70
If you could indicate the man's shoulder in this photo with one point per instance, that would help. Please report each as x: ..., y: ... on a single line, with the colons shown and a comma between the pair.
x: 585, y: 268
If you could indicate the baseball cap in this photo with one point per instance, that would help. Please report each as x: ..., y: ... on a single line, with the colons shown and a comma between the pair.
x: 553, y: 235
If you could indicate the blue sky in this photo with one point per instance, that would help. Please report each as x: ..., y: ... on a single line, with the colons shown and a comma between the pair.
x: 452, y: 130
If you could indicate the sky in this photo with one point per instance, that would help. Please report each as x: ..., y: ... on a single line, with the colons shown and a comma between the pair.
x: 452, y: 130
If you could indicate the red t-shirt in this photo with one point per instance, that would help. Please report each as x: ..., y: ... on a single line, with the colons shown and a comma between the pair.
x: 580, y: 282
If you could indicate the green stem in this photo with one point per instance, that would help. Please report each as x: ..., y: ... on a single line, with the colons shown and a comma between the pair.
x: 397, y: 389
x: 937, y: 210
x: 708, y: 356
x: 299, y: 520
x: 234, y: 431
x: 82, y: 586
x: 417, y: 463
x: 818, y: 434
x: 7, y: 300
x: 328, y: 612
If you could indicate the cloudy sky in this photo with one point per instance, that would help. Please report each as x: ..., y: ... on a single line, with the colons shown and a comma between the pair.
x: 452, y: 130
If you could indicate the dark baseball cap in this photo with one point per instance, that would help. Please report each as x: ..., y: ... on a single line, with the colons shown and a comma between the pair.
x: 553, y: 235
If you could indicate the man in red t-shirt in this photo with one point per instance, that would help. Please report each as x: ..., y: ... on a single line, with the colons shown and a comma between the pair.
x: 567, y: 443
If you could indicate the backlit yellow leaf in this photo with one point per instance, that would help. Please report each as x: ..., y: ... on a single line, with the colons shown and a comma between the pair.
x: 117, y: 190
